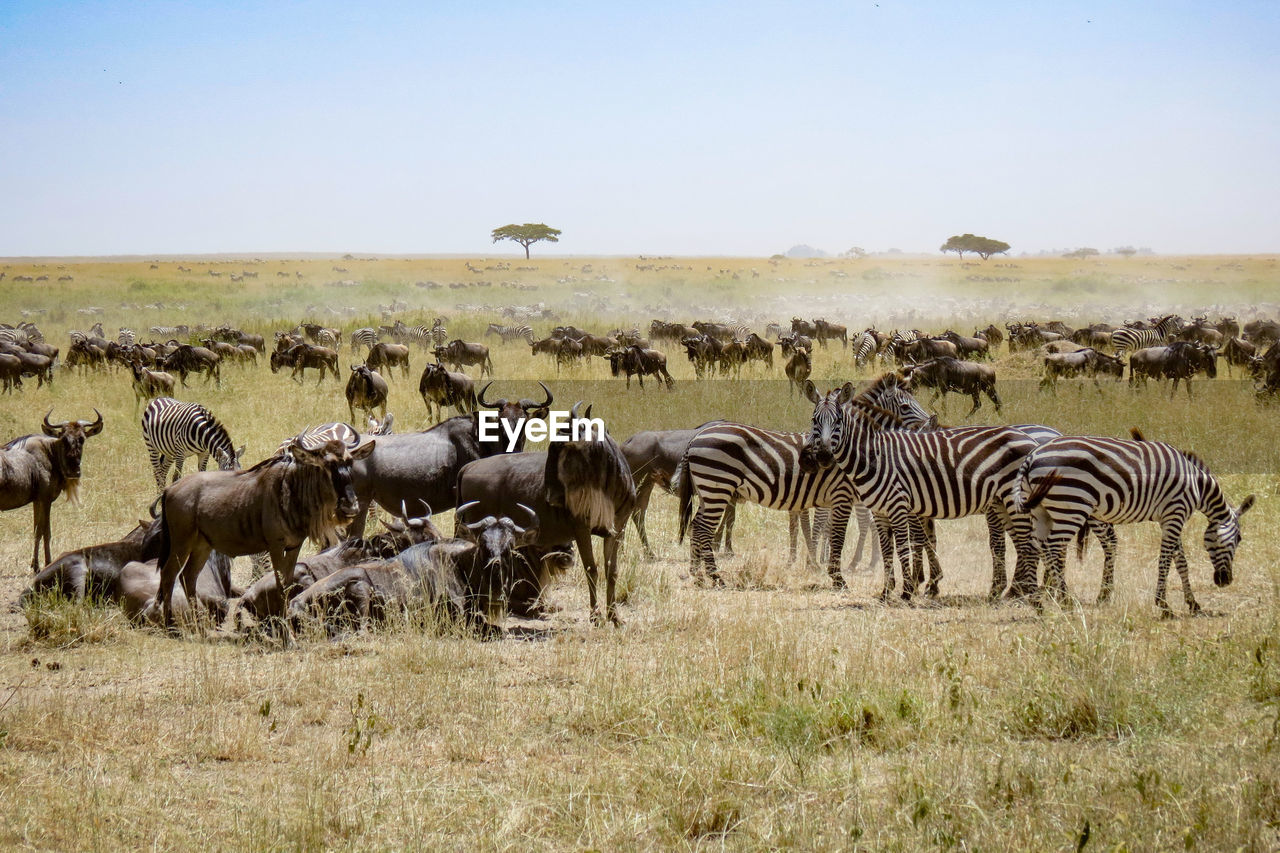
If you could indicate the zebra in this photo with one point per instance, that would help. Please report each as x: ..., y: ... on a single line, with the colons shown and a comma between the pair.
x: 908, y: 477
x: 173, y: 430
x: 1129, y: 339
x: 729, y: 462
x: 1071, y: 482
x: 864, y: 348
x: 439, y: 334
x: 510, y: 333
x: 170, y: 331
x: 365, y: 337
x: 326, y: 338
x: 127, y: 337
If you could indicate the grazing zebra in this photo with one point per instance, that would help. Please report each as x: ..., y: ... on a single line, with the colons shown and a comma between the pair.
x: 510, y: 333
x: 127, y: 337
x: 1125, y: 339
x: 174, y: 430
x: 1070, y: 482
x: 864, y: 346
x: 728, y: 462
x: 365, y: 337
x: 906, y: 477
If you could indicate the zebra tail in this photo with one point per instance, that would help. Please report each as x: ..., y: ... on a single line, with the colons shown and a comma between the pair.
x: 684, y: 494
x: 1082, y: 541
x: 1039, y: 493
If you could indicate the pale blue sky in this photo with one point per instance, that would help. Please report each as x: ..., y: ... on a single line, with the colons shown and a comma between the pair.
x: 659, y: 128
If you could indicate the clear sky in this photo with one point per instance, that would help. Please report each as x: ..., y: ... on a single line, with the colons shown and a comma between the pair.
x: 735, y: 128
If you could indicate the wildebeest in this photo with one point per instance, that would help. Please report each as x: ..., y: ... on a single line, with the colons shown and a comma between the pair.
x: 824, y: 331
x: 638, y: 361
x: 387, y: 355
x: 704, y: 353
x: 951, y: 374
x: 1237, y: 353
x: 803, y: 327
x: 140, y: 581
x: 10, y: 371
x: 1083, y: 362
x: 1178, y: 361
x: 408, y: 468
x: 366, y: 390
x: 185, y: 359
x: 149, y: 384
x: 577, y: 489
x: 798, y: 368
x: 968, y: 348
x: 274, y: 506
x: 458, y: 353
x: 759, y: 349
x: 302, y: 356
x: 35, y: 469
x: 441, y: 387
x: 924, y: 349
x: 94, y: 572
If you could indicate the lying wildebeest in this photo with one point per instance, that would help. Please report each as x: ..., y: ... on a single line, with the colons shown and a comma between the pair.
x: 149, y: 384
x: 94, y: 572
x: 798, y: 368
x: 140, y: 581
x: 577, y: 489
x: 951, y: 374
x: 459, y: 353
x: 441, y: 387
x: 263, y: 599
x: 422, y: 467
x: 384, y: 355
x: 637, y: 361
x: 1082, y: 362
x: 366, y: 390
x: 274, y: 506
x: 35, y: 469
x: 465, y: 580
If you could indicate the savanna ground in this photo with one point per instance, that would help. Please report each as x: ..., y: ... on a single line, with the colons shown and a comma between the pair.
x: 773, y: 713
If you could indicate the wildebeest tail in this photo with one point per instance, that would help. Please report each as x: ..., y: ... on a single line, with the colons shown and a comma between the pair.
x: 684, y: 494
x: 166, y: 540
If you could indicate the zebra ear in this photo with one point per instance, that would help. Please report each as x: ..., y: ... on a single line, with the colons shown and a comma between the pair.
x: 846, y: 392
x: 811, y: 392
x: 1245, y: 505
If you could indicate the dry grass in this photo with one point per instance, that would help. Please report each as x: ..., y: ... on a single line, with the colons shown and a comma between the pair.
x: 774, y: 713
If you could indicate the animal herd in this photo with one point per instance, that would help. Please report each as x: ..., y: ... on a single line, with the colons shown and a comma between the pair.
x: 873, y: 455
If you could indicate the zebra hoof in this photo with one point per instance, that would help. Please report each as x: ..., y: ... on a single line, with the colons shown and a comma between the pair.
x: 838, y: 582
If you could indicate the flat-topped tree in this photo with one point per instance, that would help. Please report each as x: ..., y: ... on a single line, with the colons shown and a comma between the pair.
x: 527, y: 234
x: 984, y: 247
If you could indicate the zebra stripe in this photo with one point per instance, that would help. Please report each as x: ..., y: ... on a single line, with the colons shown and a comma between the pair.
x: 1129, y: 339
x: 906, y: 477
x: 127, y: 337
x: 439, y: 334
x: 864, y: 347
x: 729, y: 462
x: 510, y: 333
x: 1070, y: 482
x: 174, y: 430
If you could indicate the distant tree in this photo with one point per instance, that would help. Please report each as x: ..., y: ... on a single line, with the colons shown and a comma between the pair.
x: 983, y: 247
x: 1082, y: 252
x: 855, y: 252
x: 1125, y: 251
x: 526, y: 235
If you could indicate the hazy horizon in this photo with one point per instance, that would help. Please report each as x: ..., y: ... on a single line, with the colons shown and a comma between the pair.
x: 721, y: 130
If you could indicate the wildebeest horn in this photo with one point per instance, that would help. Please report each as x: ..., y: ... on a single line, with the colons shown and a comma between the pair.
x: 52, y: 426
x: 533, y: 520
x: 481, y: 398
x: 460, y: 511
x: 91, y: 428
x: 573, y: 411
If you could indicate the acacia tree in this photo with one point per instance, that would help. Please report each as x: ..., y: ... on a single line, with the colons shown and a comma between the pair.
x: 527, y: 234
x: 983, y: 247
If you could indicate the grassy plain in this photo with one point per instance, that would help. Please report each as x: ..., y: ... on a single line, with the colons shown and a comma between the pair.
x: 776, y: 713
